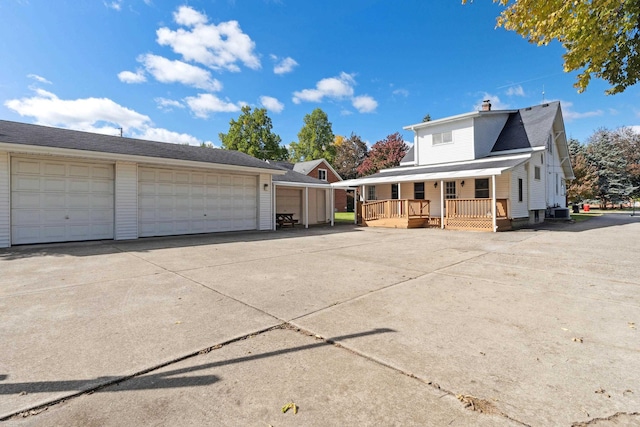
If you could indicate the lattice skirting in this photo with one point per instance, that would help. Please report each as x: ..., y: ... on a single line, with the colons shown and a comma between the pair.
x: 469, y: 224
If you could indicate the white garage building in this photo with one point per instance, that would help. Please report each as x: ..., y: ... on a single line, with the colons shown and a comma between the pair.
x: 59, y: 185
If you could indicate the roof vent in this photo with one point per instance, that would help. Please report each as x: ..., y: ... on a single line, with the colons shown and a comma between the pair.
x: 486, y: 105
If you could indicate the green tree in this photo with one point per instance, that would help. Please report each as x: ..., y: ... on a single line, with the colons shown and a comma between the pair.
x: 605, y: 153
x: 585, y: 184
x: 601, y: 38
x: 315, y: 139
x: 251, y: 134
x: 350, y: 153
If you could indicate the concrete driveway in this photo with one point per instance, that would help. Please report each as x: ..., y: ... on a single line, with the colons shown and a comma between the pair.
x: 355, y: 326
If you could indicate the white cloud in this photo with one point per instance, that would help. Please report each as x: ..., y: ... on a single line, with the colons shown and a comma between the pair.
x: 38, y: 78
x: 333, y: 87
x: 345, y: 112
x: 90, y: 114
x: 515, y: 91
x: 115, y: 5
x: 364, y: 104
x: 569, y: 114
x: 219, y: 47
x: 164, y: 135
x: 131, y: 77
x: 635, y: 128
x: 401, y: 92
x: 168, y: 104
x: 286, y: 65
x: 496, y: 103
x: 168, y: 71
x: 271, y: 104
x: 206, y: 103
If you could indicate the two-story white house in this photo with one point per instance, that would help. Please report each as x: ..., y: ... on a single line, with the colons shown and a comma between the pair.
x: 485, y: 170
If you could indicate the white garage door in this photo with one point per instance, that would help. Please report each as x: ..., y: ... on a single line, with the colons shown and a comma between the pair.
x: 172, y: 202
x: 60, y: 201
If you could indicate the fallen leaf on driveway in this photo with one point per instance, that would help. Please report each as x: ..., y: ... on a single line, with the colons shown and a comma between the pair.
x: 632, y: 325
x: 288, y: 406
x: 577, y: 339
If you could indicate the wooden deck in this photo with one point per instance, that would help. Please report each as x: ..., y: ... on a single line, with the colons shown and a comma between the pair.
x: 460, y: 214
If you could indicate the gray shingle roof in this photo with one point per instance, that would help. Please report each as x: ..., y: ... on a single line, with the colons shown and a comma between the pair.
x: 409, y: 157
x: 306, y: 167
x: 527, y: 128
x: 44, y: 136
x: 499, y: 162
x: 293, y: 176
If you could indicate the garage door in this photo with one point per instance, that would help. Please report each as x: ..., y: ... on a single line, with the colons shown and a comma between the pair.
x: 60, y: 201
x: 173, y: 202
x: 289, y: 200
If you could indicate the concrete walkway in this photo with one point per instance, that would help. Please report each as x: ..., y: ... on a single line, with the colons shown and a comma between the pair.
x: 356, y: 326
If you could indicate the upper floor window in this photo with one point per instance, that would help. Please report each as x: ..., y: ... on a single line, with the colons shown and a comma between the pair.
x: 322, y: 174
x: 442, y: 138
x: 536, y: 172
x: 550, y: 144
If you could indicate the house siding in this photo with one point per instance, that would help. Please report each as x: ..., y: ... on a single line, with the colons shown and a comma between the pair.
x: 126, y: 202
x: 5, y: 201
x: 553, y: 168
x: 519, y: 209
x: 462, y: 147
x: 537, y: 196
x: 265, y: 210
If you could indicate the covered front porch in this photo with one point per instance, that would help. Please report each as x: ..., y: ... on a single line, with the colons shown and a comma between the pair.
x: 459, y: 214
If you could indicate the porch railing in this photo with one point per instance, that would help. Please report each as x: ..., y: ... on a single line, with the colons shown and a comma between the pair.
x: 400, y: 208
x: 475, y: 208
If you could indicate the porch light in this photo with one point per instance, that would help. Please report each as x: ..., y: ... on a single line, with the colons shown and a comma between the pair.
x: 435, y: 184
x: 266, y: 187
x: 462, y: 184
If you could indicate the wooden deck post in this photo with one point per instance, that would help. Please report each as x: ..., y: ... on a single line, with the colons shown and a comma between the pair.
x: 442, y: 204
x: 306, y: 207
x: 332, y: 204
x: 493, y: 203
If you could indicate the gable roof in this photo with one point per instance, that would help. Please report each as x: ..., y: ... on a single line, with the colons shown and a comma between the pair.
x: 29, y: 135
x: 408, y: 158
x: 527, y: 128
x: 293, y: 177
x: 308, y: 166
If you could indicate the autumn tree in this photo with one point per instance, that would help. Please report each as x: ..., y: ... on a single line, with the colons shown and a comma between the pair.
x: 585, y: 184
x: 315, y: 139
x: 386, y: 153
x: 601, y: 38
x: 251, y: 134
x: 350, y: 153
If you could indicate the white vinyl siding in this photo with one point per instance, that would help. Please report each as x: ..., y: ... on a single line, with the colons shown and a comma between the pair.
x: 519, y: 209
x: 58, y: 200
x: 461, y: 147
x: 126, y: 213
x: 5, y: 209
x: 536, y: 188
x: 174, y: 202
x: 265, y: 212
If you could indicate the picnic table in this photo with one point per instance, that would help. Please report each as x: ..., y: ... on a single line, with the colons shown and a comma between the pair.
x: 285, y: 219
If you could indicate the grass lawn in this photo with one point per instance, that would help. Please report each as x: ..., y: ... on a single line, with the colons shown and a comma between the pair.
x: 584, y: 216
x: 344, y: 217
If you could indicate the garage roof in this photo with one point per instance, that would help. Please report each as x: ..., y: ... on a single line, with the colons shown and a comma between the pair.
x: 45, y: 136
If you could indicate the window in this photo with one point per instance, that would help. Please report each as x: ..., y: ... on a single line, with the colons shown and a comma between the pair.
x: 557, y: 184
x: 371, y: 192
x: 520, y: 190
x: 550, y: 144
x: 450, y: 190
x: 418, y: 190
x: 482, y: 188
x: 442, y: 138
x: 394, y: 191
x: 536, y: 172
x: 322, y: 174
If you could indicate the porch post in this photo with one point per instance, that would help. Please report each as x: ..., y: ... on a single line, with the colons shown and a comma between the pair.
x: 333, y: 202
x: 399, y: 192
x: 306, y: 207
x: 273, y: 206
x: 356, y: 200
x: 442, y: 204
x: 493, y: 203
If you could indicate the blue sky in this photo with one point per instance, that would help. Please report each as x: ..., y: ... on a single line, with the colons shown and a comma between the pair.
x: 179, y: 71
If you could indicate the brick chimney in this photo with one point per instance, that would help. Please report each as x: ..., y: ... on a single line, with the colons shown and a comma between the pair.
x: 486, y: 105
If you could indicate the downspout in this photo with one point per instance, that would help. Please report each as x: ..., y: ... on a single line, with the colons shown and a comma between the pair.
x: 332, y: 204
x: 493, y: 204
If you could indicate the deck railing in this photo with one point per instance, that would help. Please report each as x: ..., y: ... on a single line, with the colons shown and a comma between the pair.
x: 475, y: 208
x: 397, y: 208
